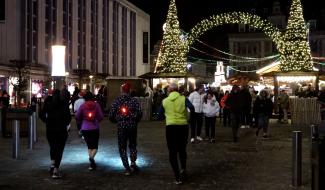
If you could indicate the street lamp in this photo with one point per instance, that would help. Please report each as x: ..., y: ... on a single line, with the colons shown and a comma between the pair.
x: 91, y: 83
x: 58, y: 65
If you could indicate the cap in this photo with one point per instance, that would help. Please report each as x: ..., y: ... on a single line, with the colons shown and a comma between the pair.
x: 81, y: 94
x: 126, y: 87
x: 50, y: 91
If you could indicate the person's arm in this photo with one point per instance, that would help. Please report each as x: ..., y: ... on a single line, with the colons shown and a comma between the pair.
x: 189, y: 105
x: 100, y: 114
x: 113, y: 111
x: 161, y: 113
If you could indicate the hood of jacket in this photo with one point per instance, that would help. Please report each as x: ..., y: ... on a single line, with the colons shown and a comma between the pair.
x: 90, y: 105
x: 173, y: 96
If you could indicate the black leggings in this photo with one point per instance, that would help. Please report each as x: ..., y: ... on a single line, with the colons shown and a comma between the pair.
x: 196, y: 124
x: 176, y: 136
x: 210, y: 126
x: 57, y: 140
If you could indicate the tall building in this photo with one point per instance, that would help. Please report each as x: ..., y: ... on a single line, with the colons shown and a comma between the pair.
x: 102, y: 37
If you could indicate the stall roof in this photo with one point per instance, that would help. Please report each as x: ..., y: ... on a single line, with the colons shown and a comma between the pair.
x: 169, y: 75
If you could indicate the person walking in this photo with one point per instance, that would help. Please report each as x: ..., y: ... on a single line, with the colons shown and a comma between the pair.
x: 246, y: 105
x: 126, y: 112
x: 56, y: 115
x: 263, y: 107
x: 196, y: 98
x: 4, y: 103
x: 225, y: 110
x: 90, y: 114
x: 76, y: 107
x: 234, y: 104
x: 283, y: 103
x: 175, y: 112
x: 211, y: 110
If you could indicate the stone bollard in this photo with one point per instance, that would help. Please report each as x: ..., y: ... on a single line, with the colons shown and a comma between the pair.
x: 16, y: 139
x: 31, y: 132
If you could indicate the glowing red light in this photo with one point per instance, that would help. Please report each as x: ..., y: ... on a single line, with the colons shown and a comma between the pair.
x: 90, y: 114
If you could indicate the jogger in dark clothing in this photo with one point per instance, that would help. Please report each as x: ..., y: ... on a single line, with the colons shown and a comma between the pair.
x: 126, y: 112
x: 56, y: 115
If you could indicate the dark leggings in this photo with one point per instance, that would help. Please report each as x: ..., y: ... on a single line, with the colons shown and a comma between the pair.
x: 176, y: 136
x: 196, y: 124
x: 125, y: 135
x: 57, y: 140
x: 210, y: 125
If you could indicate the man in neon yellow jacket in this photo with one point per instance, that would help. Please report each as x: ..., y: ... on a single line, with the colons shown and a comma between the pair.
x: 174, y: 109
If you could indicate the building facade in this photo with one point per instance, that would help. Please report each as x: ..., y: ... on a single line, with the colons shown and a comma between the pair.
x: 102, y: 37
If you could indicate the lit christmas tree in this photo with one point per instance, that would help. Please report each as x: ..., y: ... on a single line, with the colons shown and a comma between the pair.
x: 172, y: 57
x: 295, y: 53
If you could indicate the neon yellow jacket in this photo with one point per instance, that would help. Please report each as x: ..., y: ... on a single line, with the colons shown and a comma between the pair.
x: 175, y: 109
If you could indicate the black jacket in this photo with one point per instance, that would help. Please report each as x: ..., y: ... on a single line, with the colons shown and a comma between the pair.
x: 55, y: 114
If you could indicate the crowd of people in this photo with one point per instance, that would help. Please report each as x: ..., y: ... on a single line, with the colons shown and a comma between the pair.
x: 184, y: 113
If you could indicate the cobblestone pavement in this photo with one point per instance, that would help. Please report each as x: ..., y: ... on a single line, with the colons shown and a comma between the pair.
x: 249, y: 164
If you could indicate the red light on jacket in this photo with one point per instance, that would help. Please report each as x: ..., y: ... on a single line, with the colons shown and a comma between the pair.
x: 124, y: 110
x: 90, y: 115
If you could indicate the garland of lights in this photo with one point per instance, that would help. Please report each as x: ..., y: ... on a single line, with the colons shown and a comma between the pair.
x: 292, y: 45
x: 226, y: 53
x: 236, y: 60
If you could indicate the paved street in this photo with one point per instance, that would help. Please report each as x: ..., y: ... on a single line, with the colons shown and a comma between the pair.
x: 249, y: 164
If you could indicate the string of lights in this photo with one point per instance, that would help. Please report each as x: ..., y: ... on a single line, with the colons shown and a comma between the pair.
x: 238, y: 60
x: 232, y: 55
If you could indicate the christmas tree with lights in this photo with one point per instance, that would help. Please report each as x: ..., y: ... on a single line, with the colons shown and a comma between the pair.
x: 295, y: 54
x: 172, y: 58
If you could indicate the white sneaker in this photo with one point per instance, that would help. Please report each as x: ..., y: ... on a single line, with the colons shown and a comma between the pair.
x: 192, y: 140
x: 199, y: 138
x: 243, y: 127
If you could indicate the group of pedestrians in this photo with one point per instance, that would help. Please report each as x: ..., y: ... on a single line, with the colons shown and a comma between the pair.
x: 125, y: 111
x: 178, y: 110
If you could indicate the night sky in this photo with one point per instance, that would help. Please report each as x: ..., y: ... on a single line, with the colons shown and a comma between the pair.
x: 191, y: 12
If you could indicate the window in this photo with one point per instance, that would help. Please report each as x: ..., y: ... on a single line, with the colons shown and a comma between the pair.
x: 145, y: 47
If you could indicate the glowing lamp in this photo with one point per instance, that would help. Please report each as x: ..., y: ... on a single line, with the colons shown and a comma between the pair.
x: 58, y: 60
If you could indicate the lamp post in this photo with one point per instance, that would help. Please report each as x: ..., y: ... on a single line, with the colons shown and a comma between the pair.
x: 58, y: 65
x: 91, y: 83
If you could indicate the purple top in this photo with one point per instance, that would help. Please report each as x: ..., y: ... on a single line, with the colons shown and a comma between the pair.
x: 94, y: 108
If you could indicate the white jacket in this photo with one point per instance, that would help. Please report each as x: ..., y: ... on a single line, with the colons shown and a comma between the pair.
x: 197, y: 100
x: 78, y: 103
x: 211, y: 108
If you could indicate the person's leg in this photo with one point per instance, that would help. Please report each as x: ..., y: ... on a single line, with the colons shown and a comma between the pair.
x: 122, y: 143
x: 199, y: 124
x: 193, y: 125
x: 285, y: 115
x: 133, y: 144
x: 225, y: 117
x: 280, y: 113
x: 60, y: 144
x: 213, y: 128
x: 51, y: 140
x: 235, y: 122
x: 172, y: 145
x: 207, y: 127
x: 183, y: 135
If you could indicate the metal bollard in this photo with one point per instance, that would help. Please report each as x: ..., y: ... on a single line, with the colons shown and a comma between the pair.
x: 0, y: 120
x: 34, y: 127
x: 16, y: 139
x: 31, y: 132
x: 314, y: 157
x: 296, y: 158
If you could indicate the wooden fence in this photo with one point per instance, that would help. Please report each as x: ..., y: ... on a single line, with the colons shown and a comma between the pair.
x: 304, y: 111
